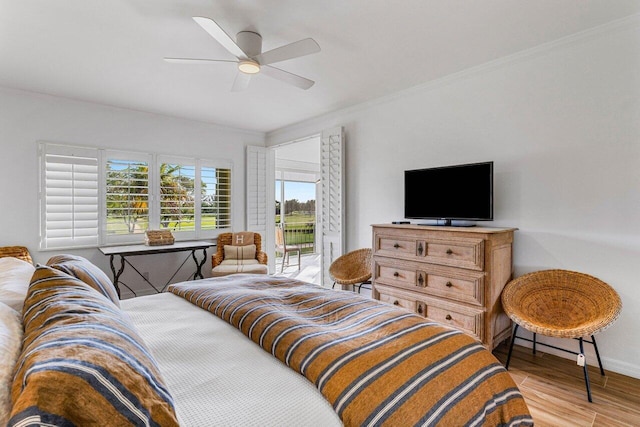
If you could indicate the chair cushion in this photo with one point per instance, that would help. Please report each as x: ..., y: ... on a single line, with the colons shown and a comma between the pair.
x: 224, y: 270
x: 239, y: 252
x: 84, y: 270
x: 239, y: 262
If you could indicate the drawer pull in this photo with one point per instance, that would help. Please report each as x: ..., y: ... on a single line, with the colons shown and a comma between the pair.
x: 448, y: 284
x: 420, y: 249
x: 396, y: 302
x: 396, y: 246
x: 448, y: 317
x: 396, y: 274
x: 420, y: 279
x: 420, y: 310
x: 449, y: 251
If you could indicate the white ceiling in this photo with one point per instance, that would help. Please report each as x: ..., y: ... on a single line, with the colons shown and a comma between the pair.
x: 110, y: 52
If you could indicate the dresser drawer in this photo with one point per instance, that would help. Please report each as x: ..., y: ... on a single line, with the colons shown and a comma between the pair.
x: 455, y: 317
x: 457, y: 252
x: 456, y: 284
x: 461, y: 289
x: 395, y: 247
x: 465, y: 253
x: 396, y: 275
x: 406, y: 303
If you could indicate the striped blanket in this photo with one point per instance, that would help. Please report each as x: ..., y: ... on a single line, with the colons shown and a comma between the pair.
x: 376, y: 364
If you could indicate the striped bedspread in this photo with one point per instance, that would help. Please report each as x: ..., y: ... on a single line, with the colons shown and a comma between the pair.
x: 376, y: 364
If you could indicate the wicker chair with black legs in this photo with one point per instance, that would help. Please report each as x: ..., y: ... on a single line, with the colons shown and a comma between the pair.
x: 561, y: 304
x: 353, y: 268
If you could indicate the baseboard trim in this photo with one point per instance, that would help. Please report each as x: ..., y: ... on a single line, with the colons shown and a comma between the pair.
x: 620, y: 367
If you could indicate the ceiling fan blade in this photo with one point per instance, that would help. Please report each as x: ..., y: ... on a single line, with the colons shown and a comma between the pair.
x: 215, y: 31
x: 287, y: 77
x: 195, y: 61
x: 241, y: 82
x: 289, y: 51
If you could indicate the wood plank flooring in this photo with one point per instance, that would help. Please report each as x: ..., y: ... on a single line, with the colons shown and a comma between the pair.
x: 555, y: 392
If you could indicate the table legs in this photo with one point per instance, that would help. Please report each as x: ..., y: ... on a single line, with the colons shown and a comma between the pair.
x: 118, y: 272
x: 116, y: 275
x: 198, y: 273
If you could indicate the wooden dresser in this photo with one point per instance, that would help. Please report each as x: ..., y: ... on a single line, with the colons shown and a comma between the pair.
x: 451, y: 275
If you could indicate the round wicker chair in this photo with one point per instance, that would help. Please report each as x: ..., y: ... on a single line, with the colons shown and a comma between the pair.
x: 353, y: 268
x: 562, y: 304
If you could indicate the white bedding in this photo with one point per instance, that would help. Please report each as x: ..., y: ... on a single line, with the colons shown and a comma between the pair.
x: 217, y: 376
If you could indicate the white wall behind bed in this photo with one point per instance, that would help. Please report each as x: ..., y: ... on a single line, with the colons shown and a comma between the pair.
x: 562, y: 124
x: 26, y: 118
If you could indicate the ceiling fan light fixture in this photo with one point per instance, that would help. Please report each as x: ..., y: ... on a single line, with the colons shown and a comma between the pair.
x: 249, y: 67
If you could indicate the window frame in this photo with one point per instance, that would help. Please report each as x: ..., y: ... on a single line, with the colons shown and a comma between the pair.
x: 154, y: 161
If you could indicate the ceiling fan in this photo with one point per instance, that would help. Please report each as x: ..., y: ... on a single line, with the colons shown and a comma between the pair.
x: 250, y: 59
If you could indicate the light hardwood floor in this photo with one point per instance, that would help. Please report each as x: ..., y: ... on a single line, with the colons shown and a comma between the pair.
x: 555, y: 392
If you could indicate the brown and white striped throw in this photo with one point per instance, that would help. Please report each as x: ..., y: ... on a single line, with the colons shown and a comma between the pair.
x: 376, y: 364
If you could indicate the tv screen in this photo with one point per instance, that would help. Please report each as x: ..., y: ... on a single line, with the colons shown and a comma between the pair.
x: 460, y: 192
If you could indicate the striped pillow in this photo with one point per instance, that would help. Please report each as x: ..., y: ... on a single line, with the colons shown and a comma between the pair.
x: 82, y: 362
x: 84, y: 270
x: 239, y: 252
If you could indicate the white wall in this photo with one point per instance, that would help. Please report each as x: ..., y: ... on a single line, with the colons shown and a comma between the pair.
x: 26, y: 118
x: 562, y: 124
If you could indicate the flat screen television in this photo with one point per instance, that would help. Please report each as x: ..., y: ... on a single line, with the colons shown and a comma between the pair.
x: 459, y: 192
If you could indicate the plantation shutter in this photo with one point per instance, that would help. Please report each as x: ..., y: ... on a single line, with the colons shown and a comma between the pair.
x: 260, y: 185
x: 215, y: 198
x: 69, y: 196
x: 332, y: 198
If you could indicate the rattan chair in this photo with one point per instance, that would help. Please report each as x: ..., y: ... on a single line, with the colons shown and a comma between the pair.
x: 225, y: 239
x: 353, y: 268
x: 561, y: 304
x: 20, y: 252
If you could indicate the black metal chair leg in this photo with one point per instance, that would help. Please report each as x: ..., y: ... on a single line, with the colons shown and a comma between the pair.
x: 586, y: 372
x: 513, y: 340
x: 593, y: 340
x: 534, y: 343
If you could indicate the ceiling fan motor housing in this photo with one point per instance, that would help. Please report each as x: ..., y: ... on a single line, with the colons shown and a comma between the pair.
x: 249, y: 42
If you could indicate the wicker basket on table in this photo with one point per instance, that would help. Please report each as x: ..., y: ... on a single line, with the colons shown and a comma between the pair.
x: 158, y: 238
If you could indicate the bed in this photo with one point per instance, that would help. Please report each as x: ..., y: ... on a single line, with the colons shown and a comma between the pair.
x: 238, y: 350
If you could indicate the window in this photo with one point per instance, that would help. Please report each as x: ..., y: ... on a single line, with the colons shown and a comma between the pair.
x: 126, y: 194
x: 177, y: 196
x: 69, y: 197
x: 190, y: 197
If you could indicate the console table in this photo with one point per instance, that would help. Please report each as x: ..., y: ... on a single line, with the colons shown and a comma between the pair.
x: 139, y: 250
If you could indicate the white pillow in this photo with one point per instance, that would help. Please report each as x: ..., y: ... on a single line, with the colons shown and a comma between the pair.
x: 15, y: 275
x: 10, y: 344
